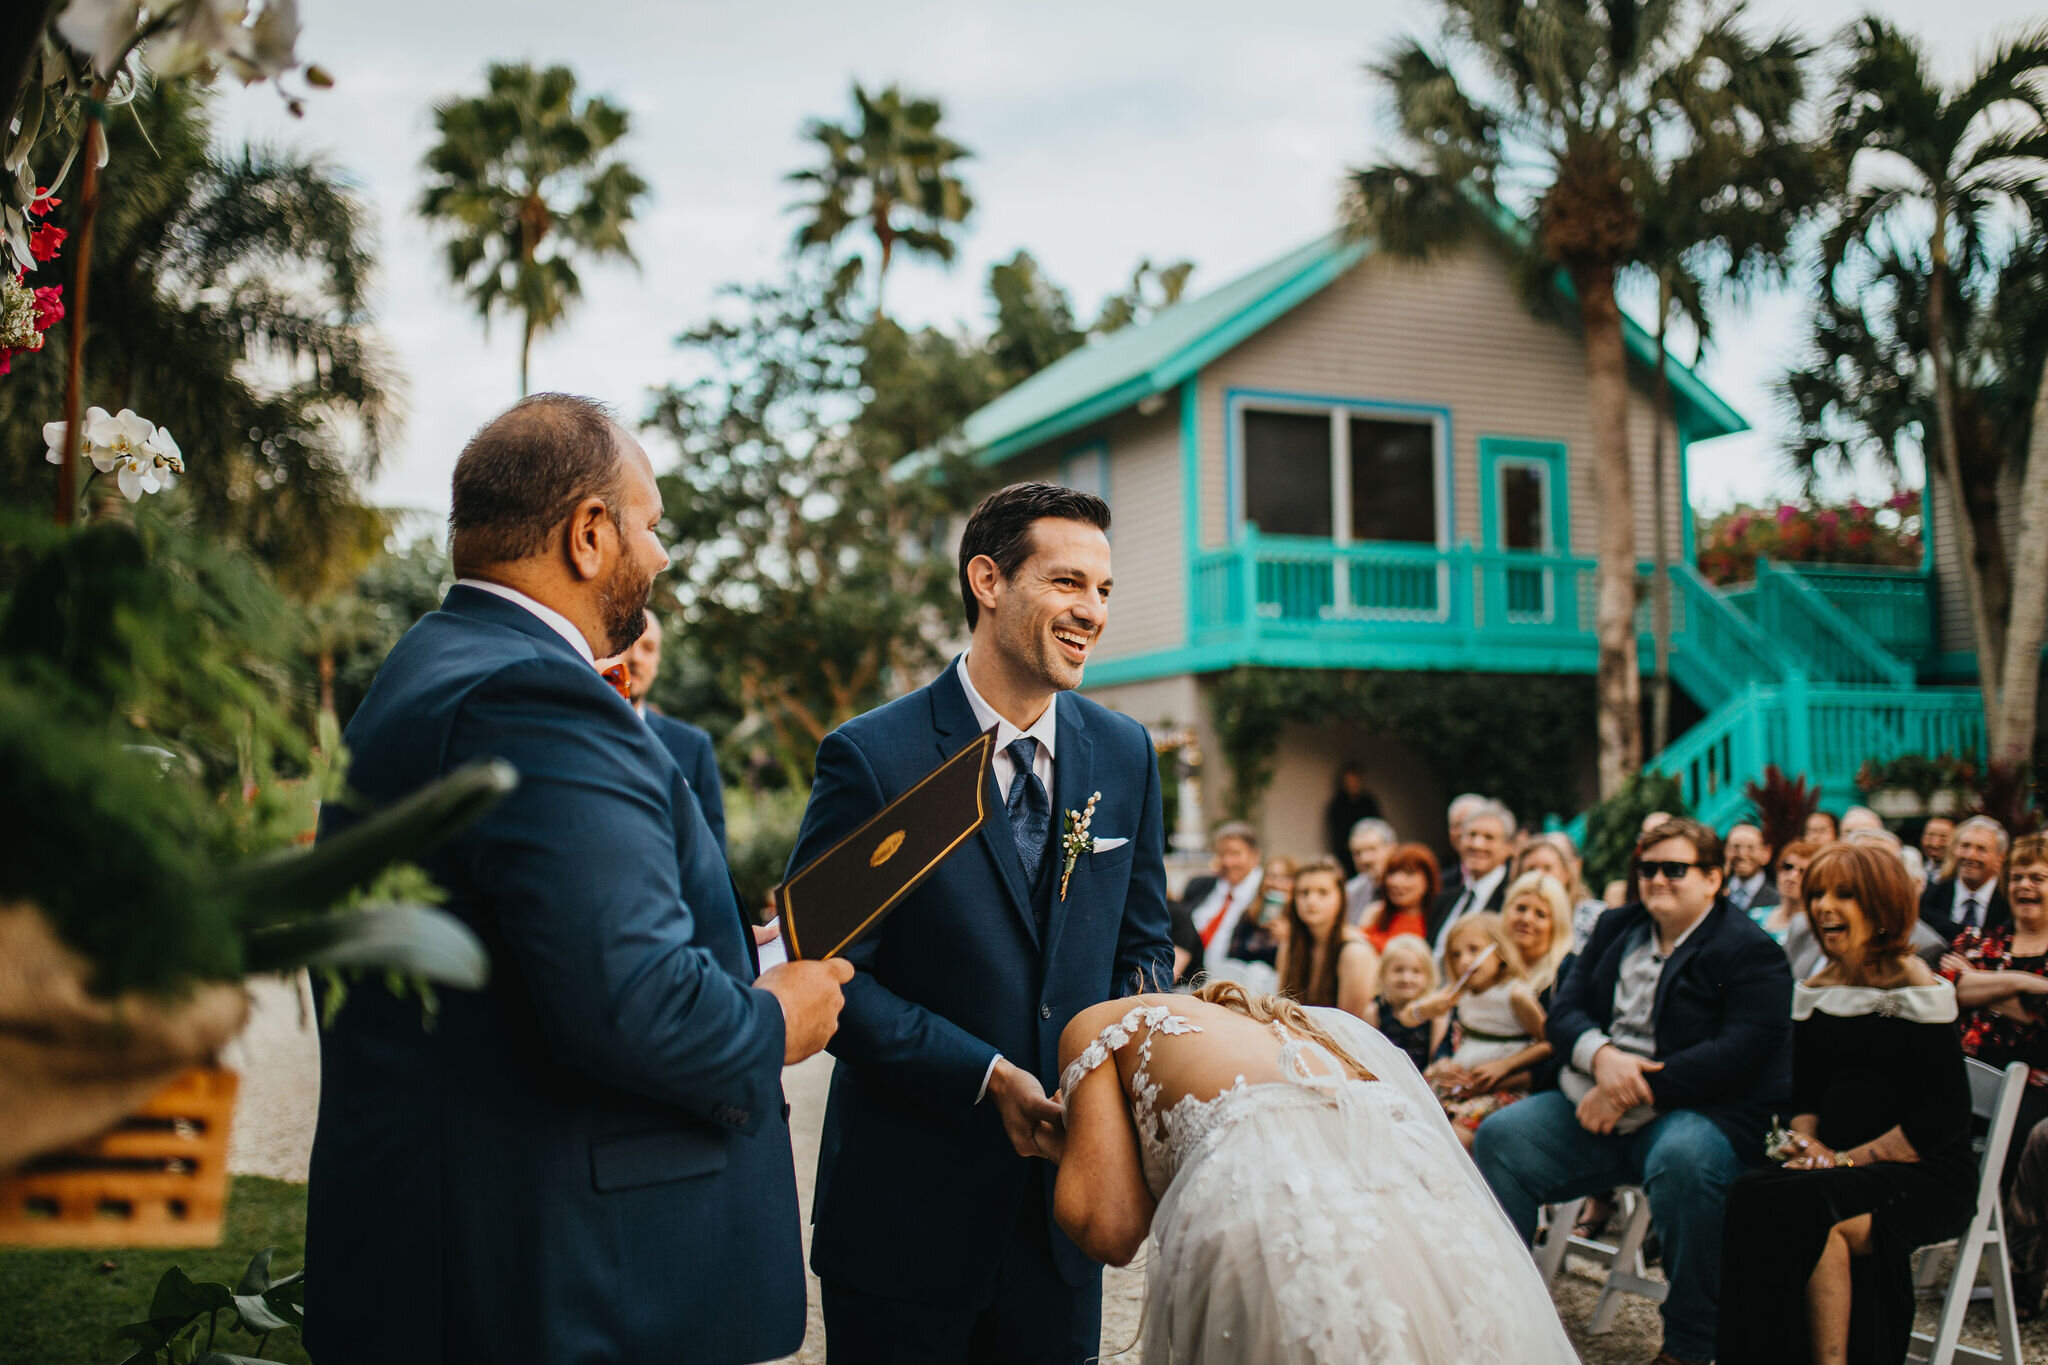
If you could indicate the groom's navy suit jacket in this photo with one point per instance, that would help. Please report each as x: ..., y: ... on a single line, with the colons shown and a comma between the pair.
x: 918, y: 1187
x: 587, y: 1160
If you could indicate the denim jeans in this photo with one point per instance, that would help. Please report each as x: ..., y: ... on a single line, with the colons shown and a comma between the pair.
x: 1534, y: 1152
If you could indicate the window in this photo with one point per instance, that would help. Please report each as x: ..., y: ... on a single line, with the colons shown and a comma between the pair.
x: 1524, y: 518
x: 1087, y: 470
x: 1333, y: 474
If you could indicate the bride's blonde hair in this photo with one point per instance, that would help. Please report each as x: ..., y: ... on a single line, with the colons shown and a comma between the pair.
x: 1278, y: 1009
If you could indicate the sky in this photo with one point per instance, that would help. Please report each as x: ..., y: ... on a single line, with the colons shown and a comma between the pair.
x: 1102, y: 133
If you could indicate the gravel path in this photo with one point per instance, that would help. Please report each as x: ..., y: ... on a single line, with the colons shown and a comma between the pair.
x: 278, y: 1056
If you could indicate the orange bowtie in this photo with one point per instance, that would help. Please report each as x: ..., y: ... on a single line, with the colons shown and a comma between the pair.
x: 620, y: 679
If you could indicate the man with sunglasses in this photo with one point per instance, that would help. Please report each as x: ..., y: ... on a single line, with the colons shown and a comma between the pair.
x: 1677, y: 1027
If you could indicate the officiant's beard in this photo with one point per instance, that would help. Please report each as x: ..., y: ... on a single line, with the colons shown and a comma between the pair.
x: 622, y: 607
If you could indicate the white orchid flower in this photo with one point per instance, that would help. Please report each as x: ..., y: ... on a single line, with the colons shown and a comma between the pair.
x: 117, y: 441
x: 224, y: 33
x: 167, y: 460
x: 54, y: 434
x: 102, y: 27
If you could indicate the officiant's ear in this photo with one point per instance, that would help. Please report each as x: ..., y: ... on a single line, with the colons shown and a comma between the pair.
x: 591, y: 534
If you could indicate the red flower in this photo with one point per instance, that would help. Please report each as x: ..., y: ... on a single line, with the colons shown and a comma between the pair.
x: 43, y: 201
x: 49, y: 306
x: 44, y: 241
x: 6, y: 360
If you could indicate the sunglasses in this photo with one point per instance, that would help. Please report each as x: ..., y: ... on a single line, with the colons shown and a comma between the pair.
x: 1670, y: 869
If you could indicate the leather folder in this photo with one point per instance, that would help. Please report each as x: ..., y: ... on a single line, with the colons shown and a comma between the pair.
x: 841, y: 896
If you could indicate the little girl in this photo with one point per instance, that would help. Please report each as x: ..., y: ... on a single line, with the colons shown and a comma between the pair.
x: 1495, y: 1013
x: 1407, y: 973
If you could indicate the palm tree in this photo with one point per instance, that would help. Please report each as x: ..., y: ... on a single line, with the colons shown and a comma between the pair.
x: 1580, y: 114
x: 1948, y: 167
x: 230, y: 304
x: 892, y: 170
x: 521, y: 167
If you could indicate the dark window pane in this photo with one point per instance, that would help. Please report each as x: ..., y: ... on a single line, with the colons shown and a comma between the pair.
x: 1393, y: 481
x: 1521, y: 508
x: 1287, y: 473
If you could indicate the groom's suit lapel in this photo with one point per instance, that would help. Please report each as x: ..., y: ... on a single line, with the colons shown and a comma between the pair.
x: 1073, y: 780
x: 954, y: 721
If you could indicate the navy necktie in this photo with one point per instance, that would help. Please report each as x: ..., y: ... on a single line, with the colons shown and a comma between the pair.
x: 1030, y: 809
x: 1970, y: 909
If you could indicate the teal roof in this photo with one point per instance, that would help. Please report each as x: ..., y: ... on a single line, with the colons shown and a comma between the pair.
x: 1137, y: 362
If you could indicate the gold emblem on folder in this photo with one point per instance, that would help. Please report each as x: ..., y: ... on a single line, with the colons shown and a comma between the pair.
x: 886, y: 850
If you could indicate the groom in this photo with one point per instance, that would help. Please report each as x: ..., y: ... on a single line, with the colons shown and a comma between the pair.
x: 934, y: 1235
x: 588, y: 1159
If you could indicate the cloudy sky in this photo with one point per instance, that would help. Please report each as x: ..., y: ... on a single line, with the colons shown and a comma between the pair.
x: 1102, y: 133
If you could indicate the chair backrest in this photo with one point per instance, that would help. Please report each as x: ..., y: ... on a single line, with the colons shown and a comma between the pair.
x: 1995, y: 1095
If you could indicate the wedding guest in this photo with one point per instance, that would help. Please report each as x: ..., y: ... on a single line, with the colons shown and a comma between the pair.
x: 1554, y: 853
x: 1675, y: 1021
x: 1462, y: 808
x: 1350, y: 803
x: 1749, y: 882
x: 1859, y: 817
x: 690, y: 745
x: 1322, y: 962
x: 1483, y: 854
x: 1934, y: 841
x: 1495, y: 1021
x: 1818, y: 1253
x: 1537, y: 920
x: 1971, y: 897
x: 1786, y: 922
x: 1410, y: 889
x: 1217, y: 902
x: 1371, y: 841
x: 1407, y: 973
x: 1255, y: 941
x: 1821, y: 828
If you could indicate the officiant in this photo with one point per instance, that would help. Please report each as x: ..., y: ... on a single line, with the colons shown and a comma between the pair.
x: 934, y: 1238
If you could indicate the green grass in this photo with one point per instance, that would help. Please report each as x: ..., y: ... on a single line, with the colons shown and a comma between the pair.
x: 57, y: 1306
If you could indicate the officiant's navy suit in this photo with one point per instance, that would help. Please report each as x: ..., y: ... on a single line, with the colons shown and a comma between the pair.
x: 921, y: 1200
x: 588, y: 1160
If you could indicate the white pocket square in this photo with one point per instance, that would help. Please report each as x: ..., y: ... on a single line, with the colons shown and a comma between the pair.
x: 1105, y: 845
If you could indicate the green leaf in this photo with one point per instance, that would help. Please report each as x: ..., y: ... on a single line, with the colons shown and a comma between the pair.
x: 412, y: 940
x: 257, y: 1315
x: 178, y: 1295
x: 150, y: 1336
x: 257, y: 1277
x: 315, y: 879
x: 224, y: 1358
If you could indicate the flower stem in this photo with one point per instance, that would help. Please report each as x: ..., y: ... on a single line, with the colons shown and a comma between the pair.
x: 81, y: 261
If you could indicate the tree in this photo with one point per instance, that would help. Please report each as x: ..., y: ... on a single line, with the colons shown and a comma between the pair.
x: 1034, y: 318
x: 1152, y: 288
x: 230, y: 305
x: 1571, y: 106
x: 1939, y: 176
x: 524, y: 167
x: 891, y: 170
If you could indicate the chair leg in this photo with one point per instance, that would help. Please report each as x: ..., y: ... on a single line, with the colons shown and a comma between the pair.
x: 1998, y: 1264
x: 1550, y: 1256
x: 1955, y: 1304
x: 1628, y: 1256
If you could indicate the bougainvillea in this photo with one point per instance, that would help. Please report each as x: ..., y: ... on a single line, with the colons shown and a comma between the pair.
x: 26, y: 311
x: 1886, y: 535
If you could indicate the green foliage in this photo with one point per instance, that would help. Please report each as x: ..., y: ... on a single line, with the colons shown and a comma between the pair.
x: 524, y: 167
x: 1510, y: 738
x: 61, y: 1300
x: 1614, y: 825
x: 1887, y: 535
x: 186, y: 1316
x: 1921, y: 774
x: 387, y: 598
x: 760, y: 832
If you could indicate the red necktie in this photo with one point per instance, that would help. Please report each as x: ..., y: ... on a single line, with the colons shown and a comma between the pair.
x: 620, y: 679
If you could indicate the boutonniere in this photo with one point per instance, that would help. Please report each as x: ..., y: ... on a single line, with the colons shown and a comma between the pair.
x: 1075, y: 840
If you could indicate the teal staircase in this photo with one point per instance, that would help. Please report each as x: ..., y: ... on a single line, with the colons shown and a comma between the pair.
x: 1811, y: 668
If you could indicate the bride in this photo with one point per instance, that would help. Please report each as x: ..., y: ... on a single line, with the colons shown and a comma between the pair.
x: 1305, y: 1196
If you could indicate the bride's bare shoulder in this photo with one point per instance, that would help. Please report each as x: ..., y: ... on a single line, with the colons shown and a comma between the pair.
x: 1084, y: 1027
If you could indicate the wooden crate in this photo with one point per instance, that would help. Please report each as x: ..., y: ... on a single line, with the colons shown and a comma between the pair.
x: 159, y: 1178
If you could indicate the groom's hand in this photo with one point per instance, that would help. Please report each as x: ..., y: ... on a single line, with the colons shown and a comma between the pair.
x: 810, y: 996
x: 1021, y: 1101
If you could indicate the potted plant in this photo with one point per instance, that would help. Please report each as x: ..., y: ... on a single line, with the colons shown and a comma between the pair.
x: 1914, y: 785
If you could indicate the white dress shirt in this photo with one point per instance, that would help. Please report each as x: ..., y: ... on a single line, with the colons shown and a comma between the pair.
x: 1043, y: 730
x: 1224, y: 907
x: 1982, y: 895
x: 1473, y: 897
x: 553, y: 619
x: 1743, y: 890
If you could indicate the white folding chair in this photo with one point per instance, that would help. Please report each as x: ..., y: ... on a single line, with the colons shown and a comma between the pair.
x: 1627, y: 1272
x: 1994, y: 1095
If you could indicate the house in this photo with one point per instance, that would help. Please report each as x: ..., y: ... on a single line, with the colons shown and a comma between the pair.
x: 1345, y: 465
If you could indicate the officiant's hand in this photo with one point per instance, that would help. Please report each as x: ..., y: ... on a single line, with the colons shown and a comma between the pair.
x: 811, y: 998
x: 1022, y: 1102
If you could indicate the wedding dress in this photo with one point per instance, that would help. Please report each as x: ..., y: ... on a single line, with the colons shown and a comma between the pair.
x: 1322, y: 1220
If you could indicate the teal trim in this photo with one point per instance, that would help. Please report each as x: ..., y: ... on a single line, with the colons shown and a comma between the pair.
x: 1686, y: 530
x: 1236, y: 400
x: 1551, y: 455
x: 1190, y: 488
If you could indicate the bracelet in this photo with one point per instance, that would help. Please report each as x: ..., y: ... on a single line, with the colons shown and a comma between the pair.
x: 1843, y: 1158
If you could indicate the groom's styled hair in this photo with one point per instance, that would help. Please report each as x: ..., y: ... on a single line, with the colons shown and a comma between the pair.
x: 525, y: 470
x: 1001, y: 528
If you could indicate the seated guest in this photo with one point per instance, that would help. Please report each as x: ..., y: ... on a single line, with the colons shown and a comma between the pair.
x: 1483, y: 853
x: 1407, y: 974
x: 1821, y: 828
x: 1818, y: 1253
x: 1676, y: 1022
x: 1322, y: 962
x: 1462, y: 808
x: 1859, y: 817
x: 1409, y: 888
x: 2001, y: 981
x: 1971, y: 898
x: 1494, y: 1020
x: 1934, y: 841
x: 1536, y: 919
x: 1749, y: 865
x: 1786, y: 922
x: 1371, y: 841
x: 1554, y: 854
x: 1926, y: 942
x: 1255, y: 942
x: 1216, y: 903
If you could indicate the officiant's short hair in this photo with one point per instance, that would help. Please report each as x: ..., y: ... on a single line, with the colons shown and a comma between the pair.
x: 525, y: 470
x: 1001, y: 528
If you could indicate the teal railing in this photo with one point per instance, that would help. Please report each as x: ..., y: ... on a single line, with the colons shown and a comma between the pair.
x: 1830, y: 646
x: 1716, y: 649
x: 1891, y: 607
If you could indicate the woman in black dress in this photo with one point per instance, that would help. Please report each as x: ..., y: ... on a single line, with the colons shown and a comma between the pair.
x: 1815, y: 1256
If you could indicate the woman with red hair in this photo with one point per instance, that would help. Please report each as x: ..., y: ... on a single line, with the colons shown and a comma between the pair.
x: 1408, y: 888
